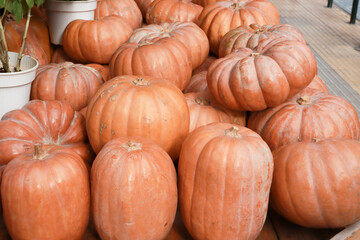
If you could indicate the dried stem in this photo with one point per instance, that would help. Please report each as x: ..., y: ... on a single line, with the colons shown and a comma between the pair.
x: 17, y: 69
x: 4, y: 58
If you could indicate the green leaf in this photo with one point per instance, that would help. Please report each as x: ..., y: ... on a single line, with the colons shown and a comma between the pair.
x: 30, y: 3
x: 17, y: 10
x: 2, y: 3
x: 39, y: 2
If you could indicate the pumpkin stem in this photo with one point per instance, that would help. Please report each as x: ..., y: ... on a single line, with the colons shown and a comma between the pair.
x: 233, y: 132
x: 254, y: 54
x: 304, y: 100
x: 39, y: 152
x: 256, y: 27
x: 141, y: 82
x: 202, y: 101
x: 131, y: 146
x: 315, y: 140
x: 235, y: 6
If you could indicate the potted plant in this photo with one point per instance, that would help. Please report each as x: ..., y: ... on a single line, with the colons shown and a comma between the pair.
x: 16, y: 71
x: 62, y: 12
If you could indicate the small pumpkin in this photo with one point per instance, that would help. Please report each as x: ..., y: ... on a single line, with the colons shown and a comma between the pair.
x: 205, y: 65
x: 318, y: 83
x: 143, y: 5
x: 59, y: 55
x: 197, y: 83
x: 102, y: 69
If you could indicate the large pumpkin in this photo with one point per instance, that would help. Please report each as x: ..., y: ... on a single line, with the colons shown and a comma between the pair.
x: 309, y: 114
x: 251, y: 36
x: 126, y: 9
x: 316, y: 184
x: 143, y: 5
x: 43, y: 122
x: 220, y: 17
x: 264, y: 77
x: 96, y: 40
x: 318, y: 83
x: 161, y: 11
x: 67, y: 82
x: 138, y: 106
x: 46, y: 195
x: 102, y: 69
x: 205, y: 65
x: 139, y: 201
x: 225, y: 173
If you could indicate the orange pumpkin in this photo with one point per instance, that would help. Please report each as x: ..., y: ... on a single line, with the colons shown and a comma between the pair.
x: 138, y: 106
x: 46, y: 195
x: 225, y: 173
x: 134, y: 203
x: 43, y: 122
x: 316, y: 184
x: 318, y: 84
x: 161, y: 11
x: 102, y: 69
x: 197, y: 83
x: 307, y: 115
x: 178, y: 230
x: 143, y: 5
x: 205, y: 65
x: 95, y: 40
x: 220, y: 17
x: 59, y: 56
x: 67, y: 82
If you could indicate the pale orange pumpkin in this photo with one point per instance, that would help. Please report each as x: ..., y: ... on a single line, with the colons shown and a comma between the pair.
x: 102, y: 69
x: 318, y: 83
x: 143, y: 5
x: 59, y: 56
x: 205, y: 65
x: 197, y: 83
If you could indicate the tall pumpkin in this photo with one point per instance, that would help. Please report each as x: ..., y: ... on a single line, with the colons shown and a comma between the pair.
x: 225, y: 173
x: 139, y: 201
x: 138, y: 106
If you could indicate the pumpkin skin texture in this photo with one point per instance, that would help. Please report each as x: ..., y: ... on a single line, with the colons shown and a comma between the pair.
x: 138, y: 106
x: 161, y: 11
x: 218, y: 18
x: 309, y: 114
x: 126, y: 9
x: 205, y: 65
x: 204, y: 110
x: 96, y: 40
x: 67, y: 82
x: 197, y: 83
x: 102, y: 69
x: 225, y: 173
x: 317, y: 83
x: 143, y: 5
x: 119, y: 199
x: 251, y: 36
x: 178, y: 230
x: 315, y: 184
x: 265, y: 77
x: 59, y: 56
x: 43, y: 122
x: 46, y: 195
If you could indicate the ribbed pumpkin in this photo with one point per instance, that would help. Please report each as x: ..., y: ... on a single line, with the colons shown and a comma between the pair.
x: 46, y: 195
x: 318, y: 84
x: 205, y: 65
x: 138, y: 106
x: 126, y: 9
x: 251, y: 36
x: 67, y: 82
x: 204, y: 110
x: 161, y: 11
x: 102, y: 69
x: 307, y: 115
x: 220, y: 17
x: 59, y: 56
x: 264, y: 77
x: 189, y: 34
x: 225, y: 173
x: 316, y: 184
x: 95, y: 41
x: 139, y: 201
x: 143, y: 5
x: 197, y: 83
x: 43, y: 122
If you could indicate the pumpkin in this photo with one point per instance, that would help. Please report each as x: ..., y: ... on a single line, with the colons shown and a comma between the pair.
x: 126, y: 9
x: 220, y: 17
x: 68, y: 82
x: 189, y: 34
x: 138, y: 106
x: 178, y: 230
x: 102, y: 69
x: 46, y: 195
x: 318, y: 84
x: 134, y: 203
x: 197, y: 83
x: 205, y: 65
x: 39, y: 12
x: 251, y: 36
x: 95, y: 40
x: 316, y: 184
x: 225, y: 173
x: 143, y: 5
x: 204, y: 110
x: 59, y: 56
x: 265, y: 77
x: 161, y: 11
x: 43, y: 122
x: 307, y: 115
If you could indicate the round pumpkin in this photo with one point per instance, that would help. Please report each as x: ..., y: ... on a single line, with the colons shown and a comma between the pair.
x: 67, y: 82
x: 143, y: 5
x: 161, y: 11
x: 205, y: 65
x: 316, y: 184
x: 46, y: 195
x: 43, y: 122
x: 197, y: 83
x: 318, y: 83
x: 59, y: 56
x: 178, y: 230
x: 102, y: 69
x: 96, y: 40
x: 139, y: 201
x: 220, y: 17
x: 307, y: 115
x: 225, y: 173
x: 126, y: 9
x: 204, y: 110
x: 264, y: 77
x: 138, y: 106
x: 251, y: 36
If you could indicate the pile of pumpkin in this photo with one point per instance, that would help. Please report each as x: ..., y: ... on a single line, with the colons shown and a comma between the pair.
x: 150, y: 98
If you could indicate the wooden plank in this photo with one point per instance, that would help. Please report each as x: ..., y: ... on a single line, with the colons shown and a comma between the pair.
x: 350, y: 233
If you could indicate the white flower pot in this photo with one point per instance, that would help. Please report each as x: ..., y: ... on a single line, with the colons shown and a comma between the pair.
x: 61, y: 13
x: 15, y: 86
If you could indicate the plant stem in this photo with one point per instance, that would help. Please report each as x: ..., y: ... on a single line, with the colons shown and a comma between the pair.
x: 17, y: 69
x: 4, y: 50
